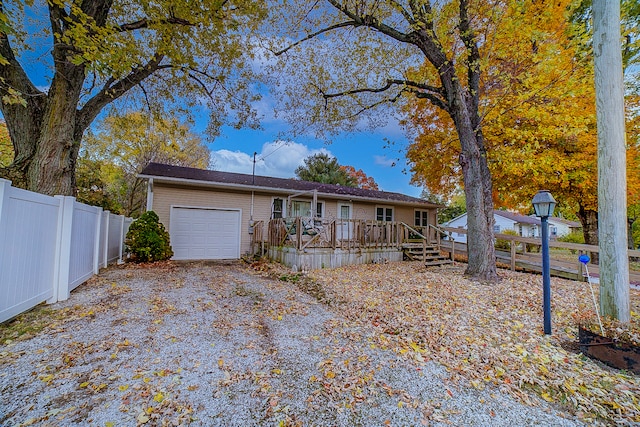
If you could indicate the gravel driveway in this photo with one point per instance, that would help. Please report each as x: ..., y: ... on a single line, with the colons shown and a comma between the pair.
x: 218, y: 344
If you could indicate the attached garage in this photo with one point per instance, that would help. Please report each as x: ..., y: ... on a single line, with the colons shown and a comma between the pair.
x: 205, y: 233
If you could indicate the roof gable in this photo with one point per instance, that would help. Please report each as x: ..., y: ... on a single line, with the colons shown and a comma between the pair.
x: 568, y: 223
x: 184, y: 174
x: 511, y: 216
x: 516, y: 217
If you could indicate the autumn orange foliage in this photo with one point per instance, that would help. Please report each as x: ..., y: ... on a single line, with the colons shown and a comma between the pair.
x: 361, y: 179
x: 538, y: 109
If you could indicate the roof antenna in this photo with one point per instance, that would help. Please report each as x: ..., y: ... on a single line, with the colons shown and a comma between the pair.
x: 253, y: 180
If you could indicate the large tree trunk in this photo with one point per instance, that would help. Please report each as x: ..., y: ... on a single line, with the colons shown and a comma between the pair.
x: 52, y: 167
x: 477, y: 189
x: 477, y: 186
x: 46, y: 129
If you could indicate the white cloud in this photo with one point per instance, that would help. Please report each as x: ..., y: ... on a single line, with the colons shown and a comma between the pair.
x: 384, y: 161
x: 278, y: 159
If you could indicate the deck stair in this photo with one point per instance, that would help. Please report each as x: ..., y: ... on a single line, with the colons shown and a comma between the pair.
x: 429, y: 254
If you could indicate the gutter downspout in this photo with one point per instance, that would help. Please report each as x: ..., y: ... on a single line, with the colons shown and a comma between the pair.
x: 253, y: 182
x: 150, y: 194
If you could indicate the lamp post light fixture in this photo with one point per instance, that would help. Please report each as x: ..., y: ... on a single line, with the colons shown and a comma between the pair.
x: 544, y: 204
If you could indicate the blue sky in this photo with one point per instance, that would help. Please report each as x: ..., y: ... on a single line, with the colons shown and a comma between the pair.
x: 369, y: 151
x: 233, y: 150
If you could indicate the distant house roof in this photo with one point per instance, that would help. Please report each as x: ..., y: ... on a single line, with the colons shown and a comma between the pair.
x: 516, y: 217
x: 184, y: 175
x: 570, y: 224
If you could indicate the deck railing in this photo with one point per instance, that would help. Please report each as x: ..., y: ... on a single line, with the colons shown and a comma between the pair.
x: 347, y: 234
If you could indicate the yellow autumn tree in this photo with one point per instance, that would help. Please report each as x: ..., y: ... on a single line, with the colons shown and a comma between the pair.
x: 538, y: 110
x: 115, y: 153
x: 633, y: 170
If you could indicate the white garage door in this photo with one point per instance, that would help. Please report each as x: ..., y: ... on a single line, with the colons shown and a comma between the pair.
x: 198, y: 233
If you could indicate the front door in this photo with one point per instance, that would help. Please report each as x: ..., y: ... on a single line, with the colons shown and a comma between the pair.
x: 345, y: 225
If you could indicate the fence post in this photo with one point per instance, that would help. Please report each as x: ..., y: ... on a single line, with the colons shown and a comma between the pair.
x: 122, y: 236
x: 5, y: 188
x: 96, y: 246
x: 105, y: 241
x: 63, y: 257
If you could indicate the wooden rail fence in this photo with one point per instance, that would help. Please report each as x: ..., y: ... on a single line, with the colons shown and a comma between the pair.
x: 519, y: 255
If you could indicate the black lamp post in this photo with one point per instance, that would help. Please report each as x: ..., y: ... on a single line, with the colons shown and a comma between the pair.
x: 544, y: 204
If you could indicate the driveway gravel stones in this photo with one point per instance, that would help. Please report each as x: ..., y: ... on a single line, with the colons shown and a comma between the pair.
x: 219, y: 344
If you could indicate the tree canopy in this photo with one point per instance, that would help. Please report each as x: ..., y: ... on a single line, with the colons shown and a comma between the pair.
x: 362, y: 180
x: 538, y: 110
x: 360, y: 57
x: 119, y: 149
x: 325, y: 169
x: 166, y: 53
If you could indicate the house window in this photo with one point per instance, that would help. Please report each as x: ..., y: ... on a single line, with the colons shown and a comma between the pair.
x: 384, y: 213
x: 421, y: 218
x: 496, y: 228
x: 277, y: 208
x: 303, y: 208
x: 300, y: 208
x: 345, y: 212
x: 553, y: 231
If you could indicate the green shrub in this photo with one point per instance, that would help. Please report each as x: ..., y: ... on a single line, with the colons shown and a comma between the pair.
x: 573, y: 237
x: 504, y: 244
x: 147, y: 240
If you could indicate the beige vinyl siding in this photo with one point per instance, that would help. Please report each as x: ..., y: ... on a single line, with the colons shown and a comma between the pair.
x: 165, y: 196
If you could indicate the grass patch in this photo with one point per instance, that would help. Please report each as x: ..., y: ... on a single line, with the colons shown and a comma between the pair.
x: 30, y: 323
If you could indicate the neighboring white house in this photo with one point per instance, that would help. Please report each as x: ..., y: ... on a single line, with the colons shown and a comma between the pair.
x: 563, y: 226
x: 523, y: 225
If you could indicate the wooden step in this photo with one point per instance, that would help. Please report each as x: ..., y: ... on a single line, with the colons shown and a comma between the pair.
x: 438, y: 262
x: 428, y: 254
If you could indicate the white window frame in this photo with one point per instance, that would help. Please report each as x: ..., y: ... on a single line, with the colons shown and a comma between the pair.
x: 384, y: 214
x: 423, y: 214
x: 320, y: 204
x: 284, y: 207
x: 349, y: 205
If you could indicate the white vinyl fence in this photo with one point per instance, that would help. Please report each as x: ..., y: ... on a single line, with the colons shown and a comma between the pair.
x: 51, y: 245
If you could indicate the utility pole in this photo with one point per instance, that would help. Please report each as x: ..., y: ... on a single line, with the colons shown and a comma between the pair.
x: 612, y: 180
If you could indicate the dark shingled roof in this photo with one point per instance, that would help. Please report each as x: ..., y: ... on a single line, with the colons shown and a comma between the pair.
x: 158, y: 170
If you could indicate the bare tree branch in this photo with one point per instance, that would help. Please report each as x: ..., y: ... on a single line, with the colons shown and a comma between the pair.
x: 113, y: 90
x: 420, y: 90
x: 388, y: 85
x: 473, y: 61
x: 375, y: 104
x: 317, y: 33
x: 438, y: 102
x: 371, y: 22
x: 404, y: 12
x: 146, y: 23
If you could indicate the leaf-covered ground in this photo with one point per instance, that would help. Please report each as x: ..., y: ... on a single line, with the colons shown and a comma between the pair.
x: 488, y: 334
x: 223, y: 344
